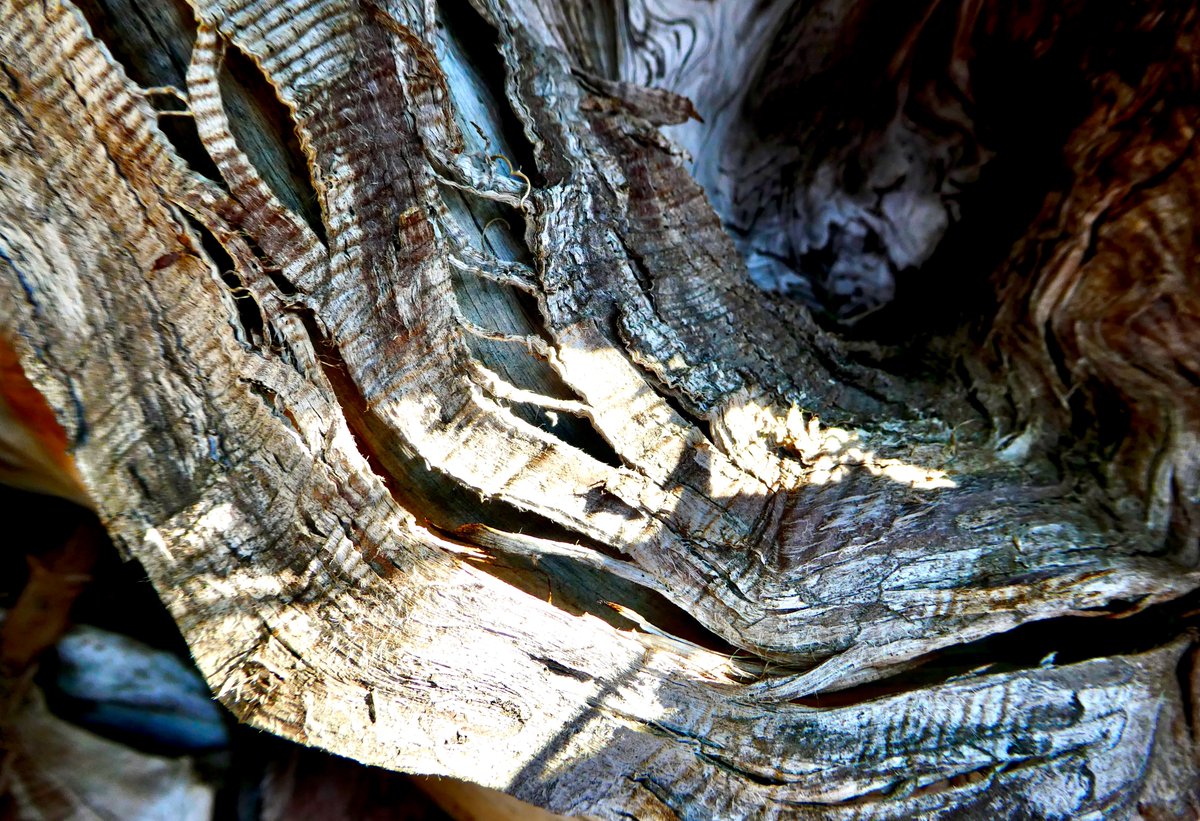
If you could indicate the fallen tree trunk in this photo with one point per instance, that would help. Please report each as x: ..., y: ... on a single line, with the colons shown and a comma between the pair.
x: 410, y: 358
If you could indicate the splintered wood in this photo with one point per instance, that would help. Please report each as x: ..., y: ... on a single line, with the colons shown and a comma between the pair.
x: 318, y: 439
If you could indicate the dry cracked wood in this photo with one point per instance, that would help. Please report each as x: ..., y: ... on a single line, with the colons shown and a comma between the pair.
x: 312, y: 422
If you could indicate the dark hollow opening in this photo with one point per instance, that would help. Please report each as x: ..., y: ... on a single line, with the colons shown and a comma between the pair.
x: 882, y: 170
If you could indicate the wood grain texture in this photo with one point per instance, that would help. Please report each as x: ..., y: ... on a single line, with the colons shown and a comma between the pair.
x: 324, y: 439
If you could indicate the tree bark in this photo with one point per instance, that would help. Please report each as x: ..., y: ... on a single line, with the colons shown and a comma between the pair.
x: 470, y: 425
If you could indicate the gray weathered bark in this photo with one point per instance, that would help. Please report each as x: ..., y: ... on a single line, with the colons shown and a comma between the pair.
x: 356, y: 428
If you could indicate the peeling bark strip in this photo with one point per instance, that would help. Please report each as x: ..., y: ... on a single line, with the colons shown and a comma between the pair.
x: 301, y: 434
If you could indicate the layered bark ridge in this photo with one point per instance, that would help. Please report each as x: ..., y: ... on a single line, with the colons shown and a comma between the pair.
x: 316, y: 436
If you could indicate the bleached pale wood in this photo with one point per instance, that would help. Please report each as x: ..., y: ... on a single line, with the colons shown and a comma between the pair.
x: 283, y: 485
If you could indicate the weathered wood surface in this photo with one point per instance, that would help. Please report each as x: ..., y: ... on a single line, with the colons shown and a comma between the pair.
x: 331, y: 429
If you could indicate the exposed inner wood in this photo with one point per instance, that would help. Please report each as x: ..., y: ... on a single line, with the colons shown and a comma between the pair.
x: 434, y: 384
